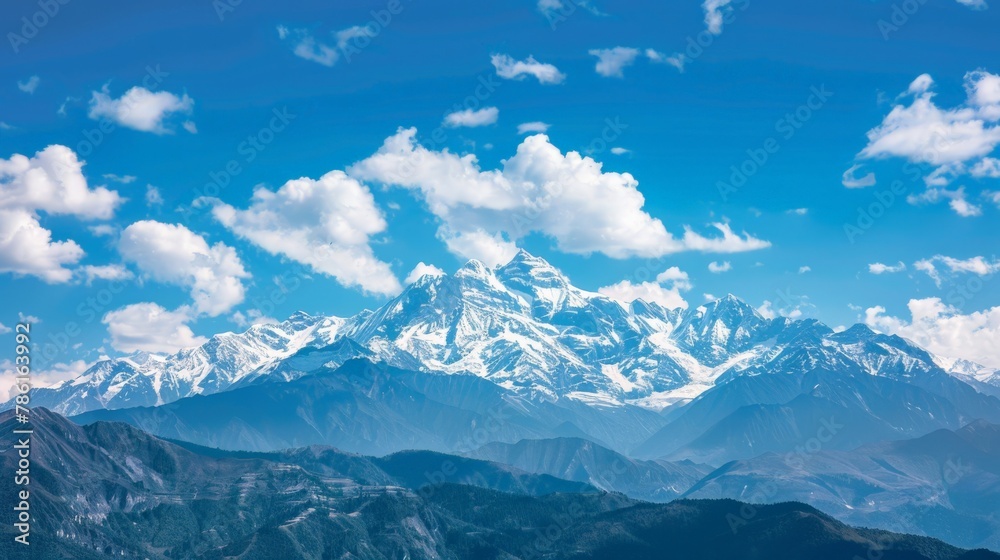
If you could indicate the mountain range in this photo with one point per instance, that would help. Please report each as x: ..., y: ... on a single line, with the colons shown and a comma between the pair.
x: 109, y: 490
x: 526, y: 328
x: 517, y: 366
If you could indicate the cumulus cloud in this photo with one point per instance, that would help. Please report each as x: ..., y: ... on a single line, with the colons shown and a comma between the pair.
x: 140, y: 109
x: 945, y: 330
x: 619, y: 151
x: 567, y: 197
x: 879, y: 268
x: 52, y: 182
x: 717, y: 268
x: 472, y: 117
x: 30, y: 85
x: 511, y: 69
x: 611, y: 62
x: 176, y: 255
x: 938, y: 264
x: 422, y: 269
x: 148, y: 327
x: 956, y: 141
x: 323, y: 223
x: 532, y: 127
x: 805, y: 269
x: 666, y: 291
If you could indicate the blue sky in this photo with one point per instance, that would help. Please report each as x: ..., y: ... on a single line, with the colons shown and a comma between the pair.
x: 818, y: 88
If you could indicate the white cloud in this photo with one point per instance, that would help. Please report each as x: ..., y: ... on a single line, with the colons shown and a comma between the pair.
x: 804, y: 269
x: 986, y: 167
x: 471, y: 117
x: 29, y: 85
x: 879, y: 268
x: 4, y: 329
x: 974, y: 265
x: 139, y: 108
x: 956, y: 141
x: 324, y: 223
x: 493, y: 249
x: 564, y: 196
x: 532, y: 127
x: 105, y: 272
x: 190, y: 127
x: 956, y: 200
x: 422, y: 270
x: 666, y: 291
x: 611, y: 62
x: 945, y: 330
x: 153, y: 196
x: 123, y: 179
x: 797, y: 211
x: 511, y: 69
x: 850, y: 181
x: 768, y: 311
x: 47, y: 377
x: 677, y: 60
x: 103, y: 230
x: 619, y: 151
x: 175, y: 255
x: 307, y: 47
x: 714, y: 15
x: 51, y: 181
x: 27, y: 248
x: 730, y: 242
x: 974, y: 4
x: 252, y: 317
x: 148, y: 327
x: 717, y: 268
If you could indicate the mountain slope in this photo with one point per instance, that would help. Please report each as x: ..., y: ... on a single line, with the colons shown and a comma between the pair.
x: 945, y: 484
x: 109, y: 490
x: 374, y: 409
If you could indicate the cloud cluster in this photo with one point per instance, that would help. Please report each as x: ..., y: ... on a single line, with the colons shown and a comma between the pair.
x: 956, y: 141
x: 139, y: 108
x: 666, y: 290
x: 324, y: 223
x: 173, y: 254
x: 567, y: 197
x: 509, y: 68
x: 945, y: 330
x: 52, y: 182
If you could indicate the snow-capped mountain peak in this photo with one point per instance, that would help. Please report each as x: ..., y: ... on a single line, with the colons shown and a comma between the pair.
x: 522, y: 325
